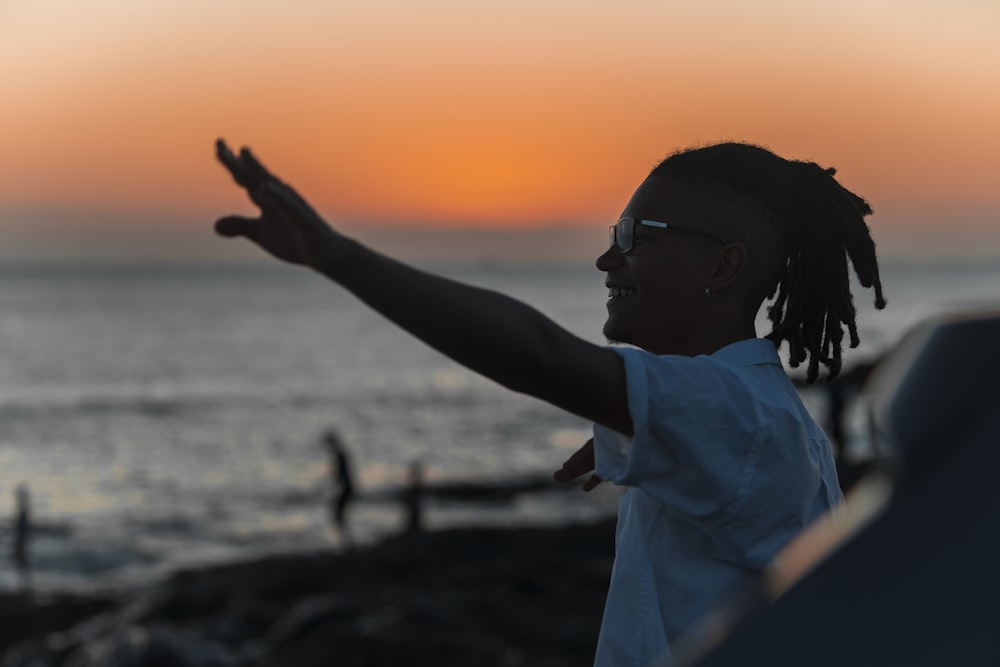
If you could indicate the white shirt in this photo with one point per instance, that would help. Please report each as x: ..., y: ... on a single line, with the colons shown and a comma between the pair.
x: 724, y: 468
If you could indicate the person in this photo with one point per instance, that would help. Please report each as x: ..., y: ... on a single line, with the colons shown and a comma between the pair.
x: 693, y: 413
x: 341, y: 485
x: 22, y: 534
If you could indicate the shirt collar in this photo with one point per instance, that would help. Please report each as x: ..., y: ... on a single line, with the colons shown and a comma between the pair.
x: 748, y: 352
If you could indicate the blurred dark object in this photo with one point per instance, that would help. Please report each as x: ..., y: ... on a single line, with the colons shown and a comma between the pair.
x: 938, y: 394
x: 905, y: 577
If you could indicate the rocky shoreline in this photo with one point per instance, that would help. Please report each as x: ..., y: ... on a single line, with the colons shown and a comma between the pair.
x: 520, y: 596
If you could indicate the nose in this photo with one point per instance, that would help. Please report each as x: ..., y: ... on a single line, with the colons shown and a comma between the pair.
x: 609, y: 259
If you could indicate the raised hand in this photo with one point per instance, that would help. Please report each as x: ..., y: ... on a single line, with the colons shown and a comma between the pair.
x: 580, y: 463
x: 287, y: 227
x: 492, y: 334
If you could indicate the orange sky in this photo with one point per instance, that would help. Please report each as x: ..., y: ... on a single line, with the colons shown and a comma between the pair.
x: 522, y: 113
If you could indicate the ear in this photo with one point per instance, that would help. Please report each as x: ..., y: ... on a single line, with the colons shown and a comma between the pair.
x: 731, y: 261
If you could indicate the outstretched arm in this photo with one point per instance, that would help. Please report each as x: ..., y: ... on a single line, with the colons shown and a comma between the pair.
x: 492, y: 334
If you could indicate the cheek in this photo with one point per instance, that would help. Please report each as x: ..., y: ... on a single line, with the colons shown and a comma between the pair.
x: 679, y: 275
x: 666, y: 294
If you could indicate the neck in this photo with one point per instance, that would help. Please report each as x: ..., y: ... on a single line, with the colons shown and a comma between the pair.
x: 707, y: 336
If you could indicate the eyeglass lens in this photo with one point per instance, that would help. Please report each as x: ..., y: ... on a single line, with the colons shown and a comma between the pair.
x: 621, y: 234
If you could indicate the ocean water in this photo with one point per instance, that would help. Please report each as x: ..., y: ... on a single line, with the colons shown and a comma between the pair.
x: 170, y: 414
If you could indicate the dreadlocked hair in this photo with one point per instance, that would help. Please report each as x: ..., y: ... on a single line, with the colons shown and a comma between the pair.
x: 823, y: 224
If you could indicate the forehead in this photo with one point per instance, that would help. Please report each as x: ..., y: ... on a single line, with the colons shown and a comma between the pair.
x: 658, y: 197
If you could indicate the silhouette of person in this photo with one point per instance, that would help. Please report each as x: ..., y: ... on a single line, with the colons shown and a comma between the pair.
x: 694, y: 415
x: 414, y: 498
x: 22, y: 534
x: 341, y: 485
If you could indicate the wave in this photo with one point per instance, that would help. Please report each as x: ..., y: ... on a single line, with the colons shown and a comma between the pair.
x: 163, y: 401
x: 143, y: 400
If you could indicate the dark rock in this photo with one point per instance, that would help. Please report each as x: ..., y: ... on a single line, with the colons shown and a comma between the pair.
x: 137, y: 646
x: 27, y: 615
x: 529, y: 596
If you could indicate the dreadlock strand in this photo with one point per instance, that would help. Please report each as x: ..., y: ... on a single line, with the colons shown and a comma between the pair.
x: 837, y: 232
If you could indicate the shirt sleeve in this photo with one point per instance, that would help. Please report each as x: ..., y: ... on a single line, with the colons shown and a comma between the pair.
x: 707, y: 445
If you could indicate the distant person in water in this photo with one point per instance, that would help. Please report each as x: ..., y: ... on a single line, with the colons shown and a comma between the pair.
x: 22, y: 535
x: 693, y: 413
x: 341, y: 485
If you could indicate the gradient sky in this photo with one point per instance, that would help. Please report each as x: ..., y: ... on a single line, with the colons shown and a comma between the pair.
x: 526, y: 114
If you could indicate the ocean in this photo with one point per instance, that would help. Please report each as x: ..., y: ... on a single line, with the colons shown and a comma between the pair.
x: 170, y: 414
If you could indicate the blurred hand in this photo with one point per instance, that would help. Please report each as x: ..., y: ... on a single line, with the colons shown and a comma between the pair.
x: 580, y: 463
x: 288, y: 228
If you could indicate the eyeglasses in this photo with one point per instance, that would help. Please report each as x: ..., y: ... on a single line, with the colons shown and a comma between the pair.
x: 622, y: 233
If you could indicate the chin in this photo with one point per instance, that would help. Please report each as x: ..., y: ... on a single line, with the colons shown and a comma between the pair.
x: 615, y: 334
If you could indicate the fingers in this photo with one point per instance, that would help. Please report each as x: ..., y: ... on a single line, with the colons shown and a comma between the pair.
x: 246, y: 169
x: 257, y: 172
x: 566, y: 473
x: 232, y: 164
x: 264, y: 188
x: 292, y: 203
x: 580, y: 463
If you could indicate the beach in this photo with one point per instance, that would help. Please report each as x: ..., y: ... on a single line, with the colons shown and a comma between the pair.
x: 167, y: 420
x: 515, y: 596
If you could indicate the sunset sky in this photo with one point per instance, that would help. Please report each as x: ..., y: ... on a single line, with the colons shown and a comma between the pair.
x: 527, y: 114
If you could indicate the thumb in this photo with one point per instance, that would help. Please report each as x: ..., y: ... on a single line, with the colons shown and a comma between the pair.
x: 233, y: 225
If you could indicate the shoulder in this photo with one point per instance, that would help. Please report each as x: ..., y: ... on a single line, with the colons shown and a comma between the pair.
x: 741, y: 369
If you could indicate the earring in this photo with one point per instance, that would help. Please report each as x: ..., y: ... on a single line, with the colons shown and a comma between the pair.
x: 709, y: 293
